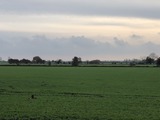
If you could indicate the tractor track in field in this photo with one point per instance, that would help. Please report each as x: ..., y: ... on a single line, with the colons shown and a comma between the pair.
x: 74, y: 94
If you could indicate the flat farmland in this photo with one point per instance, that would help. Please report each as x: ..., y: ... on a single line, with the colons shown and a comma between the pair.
x: 80, y: 93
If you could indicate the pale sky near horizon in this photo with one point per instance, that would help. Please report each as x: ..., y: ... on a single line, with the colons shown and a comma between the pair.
x: 90, y: 29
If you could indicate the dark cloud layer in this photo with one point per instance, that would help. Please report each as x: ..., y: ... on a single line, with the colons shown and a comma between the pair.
x: 15, y: 46
x: 124, y: 8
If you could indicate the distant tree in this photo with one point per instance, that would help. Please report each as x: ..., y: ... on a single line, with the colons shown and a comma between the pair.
x: 76, y: 61
x: 132, y: 64
x: 25, y: 61
x: 59, y: 61
x: 158, y: 62
x: 10, y: 61
x: 143, y: 61
x: 149, y: 60
x: 38, y: 60
x: 153, y: 56
x: 43, y: 62
x: 49, y: 63
x: 13, y: 61
x: 95, y: 62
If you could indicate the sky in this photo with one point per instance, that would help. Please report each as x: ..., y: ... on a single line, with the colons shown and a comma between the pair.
x: 90, y: 29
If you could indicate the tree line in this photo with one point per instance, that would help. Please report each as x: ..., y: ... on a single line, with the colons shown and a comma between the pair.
x: 152, y: 59
x: 37, y: 60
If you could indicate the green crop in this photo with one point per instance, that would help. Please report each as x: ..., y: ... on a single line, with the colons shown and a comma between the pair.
x: 80, y: 93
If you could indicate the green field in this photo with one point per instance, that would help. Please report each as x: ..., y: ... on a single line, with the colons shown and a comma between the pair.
x: 80, y: 93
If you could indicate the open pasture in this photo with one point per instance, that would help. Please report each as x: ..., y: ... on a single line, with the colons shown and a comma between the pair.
x: 80, y: 93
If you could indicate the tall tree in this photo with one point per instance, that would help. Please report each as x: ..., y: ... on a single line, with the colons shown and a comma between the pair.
x: 37, y: 60
x: 149, y: 60
x: 76, y: 61
x: 153, y: 56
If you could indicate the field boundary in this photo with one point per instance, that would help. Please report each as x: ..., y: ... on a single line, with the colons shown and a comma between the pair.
x: 78, y: 66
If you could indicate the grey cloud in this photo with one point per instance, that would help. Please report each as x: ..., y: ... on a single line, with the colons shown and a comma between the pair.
x: 120, y: 43
x: 66, y: 48
x: 126, y: 8
x: 135, y: 36
x: 149, y: 46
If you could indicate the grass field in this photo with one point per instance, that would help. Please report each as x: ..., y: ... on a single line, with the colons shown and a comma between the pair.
x: 80, y: 93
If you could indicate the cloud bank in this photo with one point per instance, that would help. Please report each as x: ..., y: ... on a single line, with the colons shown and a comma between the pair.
x: 66, y: 48
x: 123, y: 8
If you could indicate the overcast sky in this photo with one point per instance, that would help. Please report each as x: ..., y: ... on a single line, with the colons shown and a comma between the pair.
x: 91, y: 29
